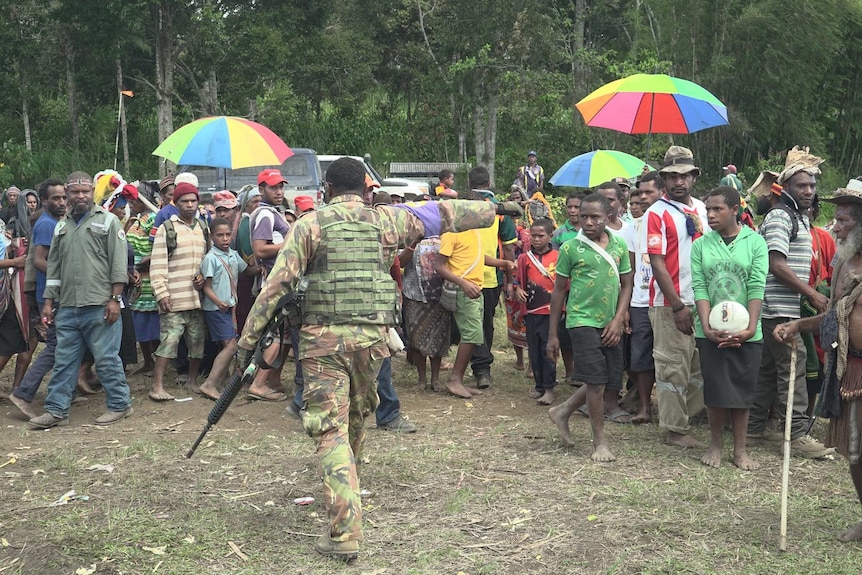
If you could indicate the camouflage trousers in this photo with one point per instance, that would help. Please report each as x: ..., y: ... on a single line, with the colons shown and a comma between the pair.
x: 340, y: 392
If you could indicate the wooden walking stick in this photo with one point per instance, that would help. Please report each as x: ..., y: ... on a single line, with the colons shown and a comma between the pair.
x: 785, y: 471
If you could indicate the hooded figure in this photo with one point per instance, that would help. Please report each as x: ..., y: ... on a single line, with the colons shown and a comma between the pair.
x: 24, y: 219
x: 8, y: 203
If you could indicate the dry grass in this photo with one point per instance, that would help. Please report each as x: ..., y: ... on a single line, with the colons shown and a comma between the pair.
x: 484, y: 487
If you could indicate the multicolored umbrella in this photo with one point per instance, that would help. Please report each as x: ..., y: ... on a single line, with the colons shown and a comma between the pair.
x: 652, y: 104
x: 224, y: 142
x: 594, y: 168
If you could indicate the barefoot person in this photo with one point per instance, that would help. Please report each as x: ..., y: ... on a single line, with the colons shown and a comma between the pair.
x: 596, y: 262
x: 221, y: 268
x: 649, y: 189
x: 841, y: 395
x: 728, y: 265
x: 145, y: 309
x: 174, y: 268
x: 426, y: 323
x: 534, y: 284
x: 461, y: 260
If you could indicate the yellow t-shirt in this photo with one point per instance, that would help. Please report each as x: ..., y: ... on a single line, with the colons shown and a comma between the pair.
x: 490, y: 237
x: 462, y: 249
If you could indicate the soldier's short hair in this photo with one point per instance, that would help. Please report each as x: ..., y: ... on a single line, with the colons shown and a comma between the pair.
x: 346, y: 175
x: 479, y: 178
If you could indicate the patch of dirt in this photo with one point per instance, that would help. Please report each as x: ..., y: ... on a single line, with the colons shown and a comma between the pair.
x: 485, y: 486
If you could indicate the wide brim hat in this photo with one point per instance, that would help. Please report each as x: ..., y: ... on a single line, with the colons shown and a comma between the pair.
x: 678, y: 160
x: 852, y: 194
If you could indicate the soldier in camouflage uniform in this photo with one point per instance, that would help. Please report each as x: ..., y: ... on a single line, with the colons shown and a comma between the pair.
x: 345, y: 250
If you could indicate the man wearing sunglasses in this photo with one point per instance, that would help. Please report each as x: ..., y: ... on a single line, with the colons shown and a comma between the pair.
x: 672, y: 225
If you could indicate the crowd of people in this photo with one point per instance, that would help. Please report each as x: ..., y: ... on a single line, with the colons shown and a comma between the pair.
x: 624, y: 289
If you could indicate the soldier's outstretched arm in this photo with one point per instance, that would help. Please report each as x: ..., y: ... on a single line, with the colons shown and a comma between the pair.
x: 426, y: 219
x: 290, y: 265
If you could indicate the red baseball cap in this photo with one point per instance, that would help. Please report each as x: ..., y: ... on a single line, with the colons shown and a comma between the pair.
x: 370, y: 182
x: 730, y: 168
x: 270, y: 177
x: 303, y: 203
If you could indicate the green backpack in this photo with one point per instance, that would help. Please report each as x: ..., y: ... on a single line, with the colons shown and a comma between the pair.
x: 171, y: 236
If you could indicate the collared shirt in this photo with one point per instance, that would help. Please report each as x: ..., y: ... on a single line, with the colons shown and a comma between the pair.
x: 174, y: 276
x: 224, y: 269
x: 85, y: 259
x: 563, y: 234
x: 665, y: 234
x: 533, y: 178
x: 400, y: 228
x: 777, y: 227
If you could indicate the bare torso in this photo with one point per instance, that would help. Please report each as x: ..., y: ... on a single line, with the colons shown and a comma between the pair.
x: 852, y: 266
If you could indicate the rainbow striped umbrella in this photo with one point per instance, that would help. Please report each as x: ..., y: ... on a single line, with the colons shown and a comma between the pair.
x: 224, y: 142
x: 594, y: 168
x: 652, y: 104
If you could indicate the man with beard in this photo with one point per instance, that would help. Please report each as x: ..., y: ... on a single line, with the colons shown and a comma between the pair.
x: 787, y: 231
x: 53, y: 195
x: 841, y: 336
x: 673, y: 223
x: 85, y: 276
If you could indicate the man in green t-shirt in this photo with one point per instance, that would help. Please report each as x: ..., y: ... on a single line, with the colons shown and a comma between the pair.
x: 730, y: 178
x: 595, y: 268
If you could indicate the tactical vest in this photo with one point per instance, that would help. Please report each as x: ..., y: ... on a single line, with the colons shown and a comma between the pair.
x: 348, y: 279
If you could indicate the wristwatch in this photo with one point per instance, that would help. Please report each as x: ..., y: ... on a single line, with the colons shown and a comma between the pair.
x: 117, y: 297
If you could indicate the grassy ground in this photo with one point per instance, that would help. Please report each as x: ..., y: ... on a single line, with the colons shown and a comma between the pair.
x: 484, y: 487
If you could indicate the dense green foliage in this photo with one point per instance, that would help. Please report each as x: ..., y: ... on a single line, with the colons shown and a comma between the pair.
x: 423, y: 80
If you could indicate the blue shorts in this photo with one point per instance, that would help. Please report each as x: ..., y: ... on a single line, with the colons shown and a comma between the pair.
x: 220, y: 325
x: 146, y: 325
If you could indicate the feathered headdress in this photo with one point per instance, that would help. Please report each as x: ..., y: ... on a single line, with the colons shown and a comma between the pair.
x: 108, y: 185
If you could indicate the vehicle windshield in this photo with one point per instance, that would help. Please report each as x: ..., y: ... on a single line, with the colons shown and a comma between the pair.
x: 297, y: 170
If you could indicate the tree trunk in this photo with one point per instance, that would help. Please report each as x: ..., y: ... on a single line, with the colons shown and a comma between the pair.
x: 165, y: 42
x: 210, y: 94
x: 72, y: 92
x: 578, y: 42
x: 491, y: 131
x: 485, y: 130
x: 25, y: 110
x: 252, y: 109
x: 479, y: 139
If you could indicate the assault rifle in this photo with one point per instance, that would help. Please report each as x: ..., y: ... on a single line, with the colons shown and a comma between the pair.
x: 267, y: 355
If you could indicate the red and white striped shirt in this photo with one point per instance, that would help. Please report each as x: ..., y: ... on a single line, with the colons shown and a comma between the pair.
x: 665, y: 234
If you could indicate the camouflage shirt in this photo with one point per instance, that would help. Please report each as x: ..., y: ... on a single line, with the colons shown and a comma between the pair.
x: 400, y: 228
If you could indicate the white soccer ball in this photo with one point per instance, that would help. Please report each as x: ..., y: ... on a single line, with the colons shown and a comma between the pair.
x: 729, y: 316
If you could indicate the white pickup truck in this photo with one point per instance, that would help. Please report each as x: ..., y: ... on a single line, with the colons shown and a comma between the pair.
x: 407, y: 188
